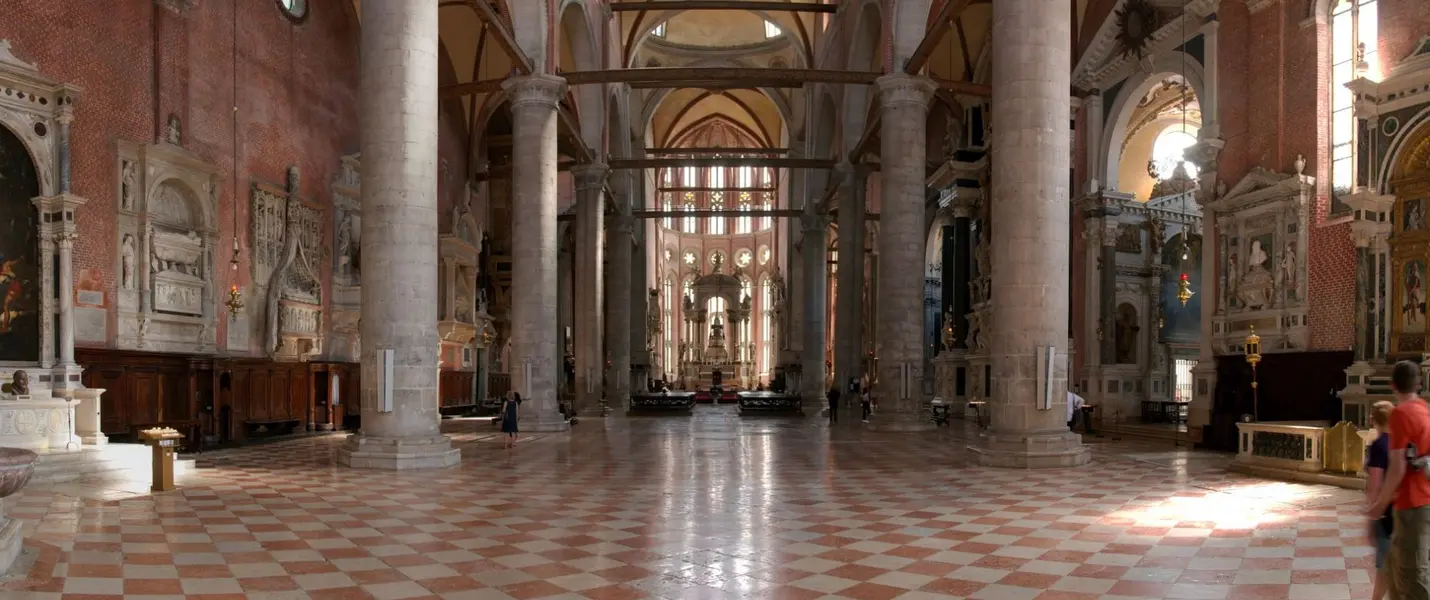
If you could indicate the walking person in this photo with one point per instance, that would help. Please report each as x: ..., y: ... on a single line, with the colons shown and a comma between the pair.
x: 1377, y: 460
x: 508, y: 417
x: 866, y: 403
x: 1406, y: 486
x: 833, y: 397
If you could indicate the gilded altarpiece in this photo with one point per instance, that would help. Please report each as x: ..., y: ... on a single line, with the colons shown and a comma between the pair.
x: 1410, y: 254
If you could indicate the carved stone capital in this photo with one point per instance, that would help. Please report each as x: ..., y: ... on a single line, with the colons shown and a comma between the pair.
x: 590, y: 176
x: 899, y: 90
x: 534, y: 90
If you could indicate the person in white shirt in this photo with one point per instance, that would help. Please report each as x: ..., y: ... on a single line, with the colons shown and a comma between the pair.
x: 1075, y: 403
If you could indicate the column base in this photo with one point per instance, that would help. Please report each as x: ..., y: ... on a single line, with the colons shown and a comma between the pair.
x: 1012, y: 450
x: 92, y: 438
x: 552, y: 424
x: 11, y: 542
x: 899, y: 423
x: 398, y: 454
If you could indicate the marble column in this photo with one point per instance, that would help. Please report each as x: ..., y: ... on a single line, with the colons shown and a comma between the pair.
x: 849, y: 312
x: 1092, y: 104
x: 65, y: 242
x: 618, y: 309
x: 1031, y: 79
x: 903, y: 102
x: 816, y: 305
x: 47, y: 305
x: 1107, y: 288
x: 534, y: 347
x: 400, y: 420
x: 589, y: 262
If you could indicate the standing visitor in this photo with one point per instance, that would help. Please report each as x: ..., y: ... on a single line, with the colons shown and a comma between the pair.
x: 833, y: 397
x: 1075, y: 403
x: 1377, y: 459
x: 508, y: 417
x: 1406, y: 485
x: 866, y: 402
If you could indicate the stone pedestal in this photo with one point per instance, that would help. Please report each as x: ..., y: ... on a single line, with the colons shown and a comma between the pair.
x: 1030, y: 224
x: 400, y: 419
x: 11, y: 540
x: 86, y: 414
x: 903, y: 100
x: 534, y: 349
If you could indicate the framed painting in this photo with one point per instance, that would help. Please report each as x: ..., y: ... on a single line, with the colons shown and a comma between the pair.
x: 1408, y: 299
x: 19, y: 253
x: 1412, y: 216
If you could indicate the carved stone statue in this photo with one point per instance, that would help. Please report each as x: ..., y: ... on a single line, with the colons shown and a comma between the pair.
x: 745, y: 302
x: 1288, y: 270
x: 652, y: 318
x: 975, y: 327
x: 1156, y: 234
x: 128, y: 186
x: 1127, y: 328
x: 1254, y: 289
x: 127, y: 254
x: 294, y: 179
x: 19, y: 384
x: 1233, y: 278
x: 174, y: 131
x: 717, y: 262
x: 984, y: 256
x: 947, y: 333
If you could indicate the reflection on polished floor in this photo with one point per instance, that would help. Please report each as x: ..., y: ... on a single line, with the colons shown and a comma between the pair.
x: 710, y: 506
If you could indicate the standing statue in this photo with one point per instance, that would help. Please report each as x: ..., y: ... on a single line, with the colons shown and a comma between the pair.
x: 652, y: 319
x: 1156, y: 234
x: 126, y: 262
x: 129, y: 186
x: 1288, y: 270
x: 948, y: 340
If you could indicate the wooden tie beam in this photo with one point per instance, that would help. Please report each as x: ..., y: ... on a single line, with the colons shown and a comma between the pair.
x: 719, y: 78
x: 952, y: 9
x: 663, y: 151
x: 725, y: 5
x: 733, y: 161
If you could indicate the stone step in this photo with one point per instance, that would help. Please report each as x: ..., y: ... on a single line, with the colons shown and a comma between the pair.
x: 118, y: 461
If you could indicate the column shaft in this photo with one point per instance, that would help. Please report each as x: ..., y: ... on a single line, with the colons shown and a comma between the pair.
x: 1030, y: 248
x: 816, y: 279
x: 849, y: 317
x: 400, y: 420
x: 618, y: 309
x: 962, y: 252
x: 903, y: 101
x: 1107, y: 290
x: 589, y: 259
x: 534, y: 347
x: 66, y: 243
x: 47, y: 305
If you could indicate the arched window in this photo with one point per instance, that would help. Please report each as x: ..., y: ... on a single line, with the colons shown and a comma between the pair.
x: 1353, y: 54
x: 743, y: 224
x: 767, y: 180
x: 668, y: 318
x: 772, y: 30
x: 1168, y: 151
x: 689, y: 225
x: 767, y: 321
x: 665, y: 205
x: 717, y: 222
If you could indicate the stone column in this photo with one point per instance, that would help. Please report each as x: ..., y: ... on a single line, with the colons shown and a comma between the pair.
x: 589, y: 259
x: 400, y: 420
x: 903, y: 100
x: 65, y: 242
x: 1107, y: 289
x: 47, y: 308
x: 1364, y: 340
x: 1092, y: 103
x: 816, y: 280
x: 534, y: 347
x: 1211, y: 81
x: 849, y: 318
x: 618, y: 308
x: 1031, y: 78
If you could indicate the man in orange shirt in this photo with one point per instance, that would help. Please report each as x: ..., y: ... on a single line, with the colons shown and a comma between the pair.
x: 1406, y: 484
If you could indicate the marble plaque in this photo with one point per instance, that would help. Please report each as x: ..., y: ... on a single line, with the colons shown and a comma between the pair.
x: 91, y: 324
x: 91, y: 297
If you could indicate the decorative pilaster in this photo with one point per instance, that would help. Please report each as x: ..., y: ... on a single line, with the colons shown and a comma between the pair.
x: 65, y: 242
x: 589, y: 259
x: 903, y: 102
x: 534, y: 347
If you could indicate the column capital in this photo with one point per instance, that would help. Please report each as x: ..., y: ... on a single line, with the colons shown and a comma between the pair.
x: 900, y: 89
x: 534, y: 90
x: 814, y: 223
x: 591, y: 176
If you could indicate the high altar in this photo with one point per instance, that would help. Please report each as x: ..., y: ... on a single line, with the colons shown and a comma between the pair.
x: 715, y: 346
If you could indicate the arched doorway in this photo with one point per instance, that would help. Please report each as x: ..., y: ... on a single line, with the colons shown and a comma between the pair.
x: 19, y: 253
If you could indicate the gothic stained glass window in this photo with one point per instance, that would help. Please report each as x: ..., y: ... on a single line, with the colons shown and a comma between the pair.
x: 665, y: 205
x: 717, y: 223
x: 1353, y: 55
x: 768, y: 203
x: 690, y: 222
x: 767, y: 301
x: 668, y: 318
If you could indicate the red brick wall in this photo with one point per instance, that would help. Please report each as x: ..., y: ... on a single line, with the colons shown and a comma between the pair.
x: 297, y: 103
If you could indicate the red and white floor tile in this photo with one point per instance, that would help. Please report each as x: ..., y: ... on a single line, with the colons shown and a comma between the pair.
x: 706, y: 507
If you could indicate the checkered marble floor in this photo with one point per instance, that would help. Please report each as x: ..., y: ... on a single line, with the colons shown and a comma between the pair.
x: 710, y: 506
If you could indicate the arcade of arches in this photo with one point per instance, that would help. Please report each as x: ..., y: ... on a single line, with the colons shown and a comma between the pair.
x: 353, y: 229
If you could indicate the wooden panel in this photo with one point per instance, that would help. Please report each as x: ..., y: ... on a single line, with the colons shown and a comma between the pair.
x: 454, y: 389
x: 144, y: 388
